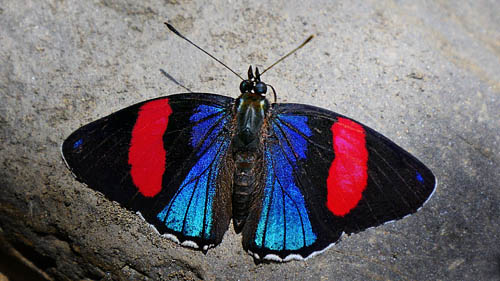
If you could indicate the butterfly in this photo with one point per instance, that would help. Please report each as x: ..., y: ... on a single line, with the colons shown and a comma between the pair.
x: 292, y: 177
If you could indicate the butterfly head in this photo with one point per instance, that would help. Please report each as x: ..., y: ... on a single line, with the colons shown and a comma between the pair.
x: 253, y: 84
x: 253, y: 96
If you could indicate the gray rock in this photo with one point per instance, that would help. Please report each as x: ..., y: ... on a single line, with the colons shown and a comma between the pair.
x: 425, y: 74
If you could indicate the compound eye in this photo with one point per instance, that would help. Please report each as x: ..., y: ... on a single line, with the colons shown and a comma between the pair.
x: 245, y: 86
x: 260, y: 88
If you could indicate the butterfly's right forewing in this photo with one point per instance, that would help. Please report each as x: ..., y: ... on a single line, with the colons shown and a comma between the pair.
x: 165, y: 158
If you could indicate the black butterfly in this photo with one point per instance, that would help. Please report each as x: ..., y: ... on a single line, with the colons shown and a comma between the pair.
x: 293, y: 177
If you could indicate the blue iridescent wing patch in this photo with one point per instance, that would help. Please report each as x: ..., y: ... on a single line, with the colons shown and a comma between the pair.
x: 284, y: 222
x: 190, y: 212
x: 284, y: 225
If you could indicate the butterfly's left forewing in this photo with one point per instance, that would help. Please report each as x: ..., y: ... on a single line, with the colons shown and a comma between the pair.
x: 164, y: 158
x: 326, y: 174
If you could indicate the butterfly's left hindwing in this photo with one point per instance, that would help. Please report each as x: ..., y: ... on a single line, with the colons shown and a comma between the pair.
x: 164, y: 158
x: 326, y: 174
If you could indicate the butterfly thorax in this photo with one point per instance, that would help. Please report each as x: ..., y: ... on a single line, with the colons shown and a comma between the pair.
x: 251, y: 109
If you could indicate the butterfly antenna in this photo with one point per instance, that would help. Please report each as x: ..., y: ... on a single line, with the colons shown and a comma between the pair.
x: 199, y: 48
x: 291, y: 52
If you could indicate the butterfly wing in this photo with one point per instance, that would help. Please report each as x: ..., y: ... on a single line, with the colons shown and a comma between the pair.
x: 165, y: 159
x: 326, y: 174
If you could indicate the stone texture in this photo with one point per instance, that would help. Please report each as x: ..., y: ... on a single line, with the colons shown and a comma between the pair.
x: 424, y: 73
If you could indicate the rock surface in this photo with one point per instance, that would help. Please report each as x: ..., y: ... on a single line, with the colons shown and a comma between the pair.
x: 424, y: 73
